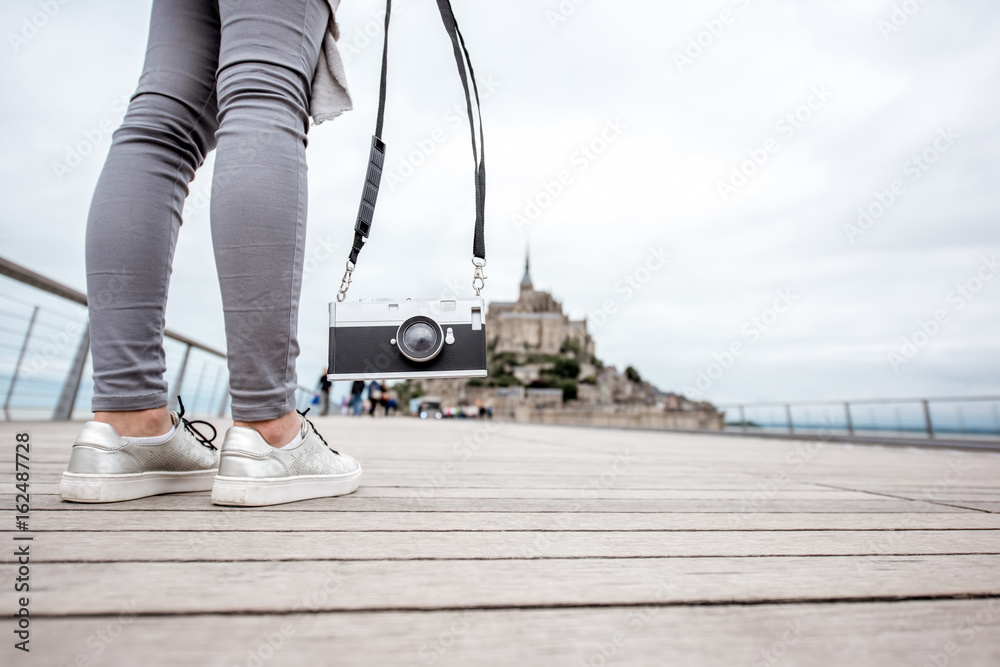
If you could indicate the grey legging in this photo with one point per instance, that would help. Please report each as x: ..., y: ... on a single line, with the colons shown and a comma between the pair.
x: 232, y: 74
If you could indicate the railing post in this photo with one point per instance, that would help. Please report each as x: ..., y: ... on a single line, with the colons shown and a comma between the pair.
x: 850, y: 423
x: 17, y: 366
x: 197, y: 388
x: 215, y: 387
x: 788, y: 416
x: 927, y: 419
x: 71, y: 387
x: 180, y: 379
x: 743, y: 419
x: 225, y: 399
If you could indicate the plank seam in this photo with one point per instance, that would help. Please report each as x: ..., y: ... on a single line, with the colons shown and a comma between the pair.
x: 532, y: 607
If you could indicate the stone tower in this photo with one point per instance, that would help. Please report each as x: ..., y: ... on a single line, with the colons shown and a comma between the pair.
x: 526, y: 285
x: 534, y: 323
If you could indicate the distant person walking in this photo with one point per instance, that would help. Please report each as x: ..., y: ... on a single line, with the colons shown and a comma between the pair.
x: 375, y: 396
x: 242, y: 78
x: 324, y: 394
x: 391, y: 401
x: 357, y: 396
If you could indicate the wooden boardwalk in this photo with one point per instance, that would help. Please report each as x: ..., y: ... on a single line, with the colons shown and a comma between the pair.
x: 501, y: 544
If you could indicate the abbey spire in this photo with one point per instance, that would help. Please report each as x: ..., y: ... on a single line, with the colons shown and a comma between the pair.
x: 526, y: 280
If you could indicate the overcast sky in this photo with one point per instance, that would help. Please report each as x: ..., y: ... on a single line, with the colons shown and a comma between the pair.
x: 739, y: 138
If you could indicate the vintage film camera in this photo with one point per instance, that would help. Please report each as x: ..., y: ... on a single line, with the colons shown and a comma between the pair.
x: 413, y: 338
x: 385, y: 339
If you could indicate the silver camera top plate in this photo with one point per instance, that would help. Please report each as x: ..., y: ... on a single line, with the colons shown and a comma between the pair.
x: 388, y: 311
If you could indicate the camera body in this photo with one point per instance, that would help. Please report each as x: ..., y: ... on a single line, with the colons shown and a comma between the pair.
x: 389, y: 339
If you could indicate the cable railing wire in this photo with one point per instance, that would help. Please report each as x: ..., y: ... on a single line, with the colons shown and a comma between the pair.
x: 46, y: 359
x: 945, y: 417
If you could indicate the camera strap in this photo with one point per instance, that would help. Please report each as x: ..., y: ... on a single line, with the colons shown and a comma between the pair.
x: 376, y: 158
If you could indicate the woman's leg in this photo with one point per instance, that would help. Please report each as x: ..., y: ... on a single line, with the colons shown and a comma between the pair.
x: 267, y: 59
x: 135, y: 213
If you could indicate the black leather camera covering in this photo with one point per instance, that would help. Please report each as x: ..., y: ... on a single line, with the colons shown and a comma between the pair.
x: 366, y: 351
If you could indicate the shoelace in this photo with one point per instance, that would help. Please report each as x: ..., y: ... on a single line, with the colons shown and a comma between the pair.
x: 313, y: 427
x: 189, y: 427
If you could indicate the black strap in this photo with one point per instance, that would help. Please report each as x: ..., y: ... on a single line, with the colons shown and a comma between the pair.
x: 462, y: 59
x: 376, y: 158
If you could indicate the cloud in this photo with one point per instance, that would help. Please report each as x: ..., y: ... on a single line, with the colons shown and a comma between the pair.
x: 655, y: 184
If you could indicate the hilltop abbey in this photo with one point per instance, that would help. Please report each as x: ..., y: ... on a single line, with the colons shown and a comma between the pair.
x: 542, y: 368
x: 534, y: 323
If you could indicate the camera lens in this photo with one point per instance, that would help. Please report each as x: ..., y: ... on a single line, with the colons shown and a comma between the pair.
x: 420, y: 338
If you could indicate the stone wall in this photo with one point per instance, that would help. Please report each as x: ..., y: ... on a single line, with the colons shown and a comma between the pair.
x: 519, y: 332
x: 693, y: 421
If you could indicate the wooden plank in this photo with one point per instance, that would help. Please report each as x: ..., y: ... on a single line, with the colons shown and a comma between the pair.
x: 501, y: 479
x: 443, y: 435
x: 410, y: 490
x: 99, y: 519
x: 806, y: 635
x: 186, y: 587
x: 980, y: 505
x: 535, y: 519
x: 682, y: 452
x: 407, y: 489
x: 600, y: 492
x: 201, y: 501
x: 521, y: 457
x: 395, y: 545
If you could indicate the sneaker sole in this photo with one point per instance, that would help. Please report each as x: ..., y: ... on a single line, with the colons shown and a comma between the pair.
x: 95, y: 488
x: 256, y: 492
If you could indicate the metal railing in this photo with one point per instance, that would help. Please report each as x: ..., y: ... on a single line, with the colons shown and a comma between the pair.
x: 951, y: 418
x: 44, y: 356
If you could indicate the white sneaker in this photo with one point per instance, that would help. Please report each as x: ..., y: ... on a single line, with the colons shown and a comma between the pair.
x: 104, y: 467
x: 253, y: 473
